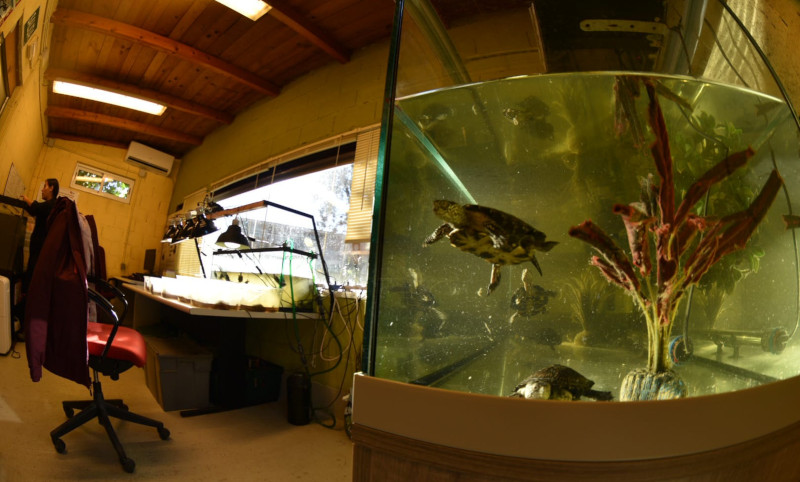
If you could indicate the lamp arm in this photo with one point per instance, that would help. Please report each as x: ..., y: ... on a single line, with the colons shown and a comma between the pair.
x: 265, y: 203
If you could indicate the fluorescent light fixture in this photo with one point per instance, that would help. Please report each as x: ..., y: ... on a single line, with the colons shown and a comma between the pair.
x: 100, y: 95
x: 252, y: 9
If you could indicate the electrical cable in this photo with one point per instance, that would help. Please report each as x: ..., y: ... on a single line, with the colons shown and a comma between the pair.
x: 298, y: 345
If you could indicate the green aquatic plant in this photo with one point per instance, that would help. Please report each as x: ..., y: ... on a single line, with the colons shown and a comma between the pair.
x: 699, y: 145
x: 671, y: 248
x: 587, y: 295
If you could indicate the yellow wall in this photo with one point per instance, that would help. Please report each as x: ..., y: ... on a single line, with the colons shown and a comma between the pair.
x: 125, y: 230
x: 323, y: 104
x: 777, y: 36
x: 21, y: 129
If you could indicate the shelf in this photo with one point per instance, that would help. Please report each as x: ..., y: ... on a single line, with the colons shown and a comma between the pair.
x: 285, y: 249
x: 199, y: 311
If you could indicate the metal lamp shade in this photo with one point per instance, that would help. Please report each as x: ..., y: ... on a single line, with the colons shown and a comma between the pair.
x: 203, y: 227
x: 233, y: 238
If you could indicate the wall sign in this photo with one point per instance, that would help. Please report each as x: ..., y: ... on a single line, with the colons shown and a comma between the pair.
x: 31, y: 24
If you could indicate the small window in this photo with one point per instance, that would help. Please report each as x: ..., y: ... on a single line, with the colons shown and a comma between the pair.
x: 102, y: 183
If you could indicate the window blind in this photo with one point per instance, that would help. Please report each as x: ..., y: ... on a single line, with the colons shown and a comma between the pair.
x: 362, y: 189
x: 187, y: 262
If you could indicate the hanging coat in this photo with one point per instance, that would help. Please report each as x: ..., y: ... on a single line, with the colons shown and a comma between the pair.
x: 57, y: 300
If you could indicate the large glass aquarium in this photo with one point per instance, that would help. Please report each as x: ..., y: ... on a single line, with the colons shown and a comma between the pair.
x: 584, y: 201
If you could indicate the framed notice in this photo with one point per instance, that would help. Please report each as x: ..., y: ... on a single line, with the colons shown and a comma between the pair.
x: 30, y: 25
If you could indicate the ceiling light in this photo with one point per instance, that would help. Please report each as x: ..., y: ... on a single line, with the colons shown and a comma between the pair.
x: 99, y: 95
x: 252, y: 9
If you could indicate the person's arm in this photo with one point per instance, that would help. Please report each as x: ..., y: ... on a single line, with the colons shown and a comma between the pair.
x: 32, y: 207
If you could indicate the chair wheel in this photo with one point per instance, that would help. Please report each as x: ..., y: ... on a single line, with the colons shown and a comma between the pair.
x: 60, y: 446
x: 163, y: 433
x: 69, y: 412
x: 128, y: 465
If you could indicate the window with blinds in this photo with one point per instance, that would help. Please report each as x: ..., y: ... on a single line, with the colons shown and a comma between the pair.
x: 362, y: 191
x: 335, y: 185
x: 188, y: 259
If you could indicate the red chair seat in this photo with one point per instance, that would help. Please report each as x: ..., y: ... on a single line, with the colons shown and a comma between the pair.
x: 128, y: 343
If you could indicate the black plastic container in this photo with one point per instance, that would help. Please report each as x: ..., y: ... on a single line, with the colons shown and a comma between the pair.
x: 298, y: 398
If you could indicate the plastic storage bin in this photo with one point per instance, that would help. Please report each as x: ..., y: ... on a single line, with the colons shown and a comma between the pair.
x: 178, y: 373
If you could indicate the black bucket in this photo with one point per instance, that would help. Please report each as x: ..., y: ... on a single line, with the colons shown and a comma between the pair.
x: 298, y: 398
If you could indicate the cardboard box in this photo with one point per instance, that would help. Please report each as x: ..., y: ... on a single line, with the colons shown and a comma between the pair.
x: 178, y: 373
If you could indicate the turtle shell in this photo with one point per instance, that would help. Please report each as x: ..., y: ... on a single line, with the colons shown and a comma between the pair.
x: 491, y: 234
x: 562, y: 377
x: 481, y: 244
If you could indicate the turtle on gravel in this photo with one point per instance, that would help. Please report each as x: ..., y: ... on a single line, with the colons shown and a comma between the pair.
x: 558, y: 382
x: 493, y: 235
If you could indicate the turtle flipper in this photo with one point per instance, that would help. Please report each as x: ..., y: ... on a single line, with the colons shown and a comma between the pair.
x: 599, y: 395
x: 536, y: 264
x: 495, y: 280
x: 440, y: 232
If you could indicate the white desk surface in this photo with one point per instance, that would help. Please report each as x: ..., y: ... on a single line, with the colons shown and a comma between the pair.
x: 199, y: 311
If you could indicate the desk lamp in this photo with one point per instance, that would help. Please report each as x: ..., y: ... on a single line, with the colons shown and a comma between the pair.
x: 203, y: 226
x: 233, y: 237
x: 184, y: 231
x: 170, y: 232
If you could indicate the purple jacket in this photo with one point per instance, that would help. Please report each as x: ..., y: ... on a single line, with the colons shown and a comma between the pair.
x: 57, y: 299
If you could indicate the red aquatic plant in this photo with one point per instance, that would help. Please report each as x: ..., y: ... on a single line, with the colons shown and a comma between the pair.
x: 679, y: 244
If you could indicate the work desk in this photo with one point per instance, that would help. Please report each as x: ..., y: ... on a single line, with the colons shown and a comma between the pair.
x: 143, y: 314
x: 223, y: 332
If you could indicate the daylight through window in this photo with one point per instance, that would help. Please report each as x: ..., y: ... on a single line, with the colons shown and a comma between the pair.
x: 102, y: 183
x: 326, y: 196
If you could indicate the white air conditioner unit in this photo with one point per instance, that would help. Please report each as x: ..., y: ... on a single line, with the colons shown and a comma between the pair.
x: 150, y: 159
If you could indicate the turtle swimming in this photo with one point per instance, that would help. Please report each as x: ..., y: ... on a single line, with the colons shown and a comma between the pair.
x: 558, y: 382
x: 532, y: 114
x: 488, y: 233
x: 529, y: 299
x: 417, y: 299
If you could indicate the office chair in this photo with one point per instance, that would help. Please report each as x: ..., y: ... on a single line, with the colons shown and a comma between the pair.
x: 112, y: 350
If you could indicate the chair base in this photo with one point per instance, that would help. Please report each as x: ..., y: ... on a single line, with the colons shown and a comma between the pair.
x: 102, y: 409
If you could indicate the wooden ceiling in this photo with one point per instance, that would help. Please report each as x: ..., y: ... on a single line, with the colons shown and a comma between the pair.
x: 204, y: 61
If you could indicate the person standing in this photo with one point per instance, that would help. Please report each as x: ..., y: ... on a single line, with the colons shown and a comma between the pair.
x: 40, y: 211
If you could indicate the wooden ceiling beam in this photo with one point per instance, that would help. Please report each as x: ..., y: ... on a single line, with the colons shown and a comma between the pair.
x: 136, y: 91
x: 120, y: 123
x: 289, y: 17
x: 140, y: 36
x: 88, y: 140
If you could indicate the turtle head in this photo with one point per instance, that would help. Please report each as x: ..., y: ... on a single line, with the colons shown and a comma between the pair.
x: 539, y: 390
x: 449, y: 211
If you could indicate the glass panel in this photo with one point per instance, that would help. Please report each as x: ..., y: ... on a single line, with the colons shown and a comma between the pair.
x: 324, y: 195
x: 116, y: 188
x: 97, y: 182
x: 608, y: 187
x: 88, y: 179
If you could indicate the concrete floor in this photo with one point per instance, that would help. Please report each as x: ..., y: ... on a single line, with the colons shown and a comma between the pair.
x: 250, y: 444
